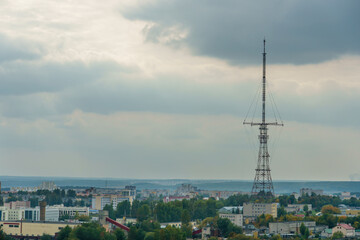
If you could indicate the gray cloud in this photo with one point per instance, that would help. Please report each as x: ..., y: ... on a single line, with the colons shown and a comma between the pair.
x: 48, y: 90
x: 17, y: 49
x: 298, y: 32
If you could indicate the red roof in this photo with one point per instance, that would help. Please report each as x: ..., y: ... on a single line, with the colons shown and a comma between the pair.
x: 117, y: 224
x: 346, y: 226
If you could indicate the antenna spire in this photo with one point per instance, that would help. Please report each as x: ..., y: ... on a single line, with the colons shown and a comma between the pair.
x: 263, y: 185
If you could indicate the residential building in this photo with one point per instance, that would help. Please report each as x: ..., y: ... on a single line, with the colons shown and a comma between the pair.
x: 352, y: 212
x: 297, y: 207
x: 15, y: 214
x: 257, y: 209
x: 235, y: 218
x: 310, y: 191
x: 293, y: 227
x: 48, y: 185
x: 73, y: 211
x: 17, y: 204
x: 174, y: 198
x: 347, y: 230
x: 100, y: 201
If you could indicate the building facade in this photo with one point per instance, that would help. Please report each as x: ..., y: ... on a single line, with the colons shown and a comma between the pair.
x: 236, y: 219
x: 284, y: 228
x: 257, y: 209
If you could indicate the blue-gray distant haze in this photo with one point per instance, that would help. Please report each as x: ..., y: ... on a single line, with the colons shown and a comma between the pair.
x: 159, y: 89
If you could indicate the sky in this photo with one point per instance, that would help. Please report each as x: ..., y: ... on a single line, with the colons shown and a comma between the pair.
x: 160, y: 88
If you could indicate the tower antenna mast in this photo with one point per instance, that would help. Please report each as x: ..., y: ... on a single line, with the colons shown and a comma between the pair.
x: 263, y: 185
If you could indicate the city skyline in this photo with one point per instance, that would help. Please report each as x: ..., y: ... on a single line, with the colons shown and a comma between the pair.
x: 159, y: 89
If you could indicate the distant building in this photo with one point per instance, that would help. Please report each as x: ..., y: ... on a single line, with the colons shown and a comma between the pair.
x: 175, y: 224
x: 231, y: 209
x: 284, y: 228
x: 186, y: 189
x: 236, y: 219
x: 347, y: 230
x: 257, y: 209
x: 297, y: 207
x: 17, y: 204
x: 310, y: 191
x: 33, y: 229
x: 48, y: 185
x: 174, y: 198
x: 100, y: 201
x: 352, y: 212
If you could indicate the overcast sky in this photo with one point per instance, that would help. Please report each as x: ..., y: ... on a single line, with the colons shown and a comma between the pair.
x: 159, y: 89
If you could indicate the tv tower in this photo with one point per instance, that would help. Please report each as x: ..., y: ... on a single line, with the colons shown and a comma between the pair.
x: 263, y: 185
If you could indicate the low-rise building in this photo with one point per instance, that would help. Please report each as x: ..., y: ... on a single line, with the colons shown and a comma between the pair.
x: 293, y: 227
x: 236, y: 219
x: 347, y: 230
x: 257, y: 209
x: 174, y: 198
x: 23, y: 228
x: 352, y: 212
x: 297, y: 207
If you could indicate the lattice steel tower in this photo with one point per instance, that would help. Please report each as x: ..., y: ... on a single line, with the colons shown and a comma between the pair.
x: 263, y: 183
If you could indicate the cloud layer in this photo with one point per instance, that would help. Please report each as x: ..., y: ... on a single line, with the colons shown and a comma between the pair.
x: 160, y: 89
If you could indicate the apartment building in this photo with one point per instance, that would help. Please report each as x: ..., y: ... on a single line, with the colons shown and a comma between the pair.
x: 257, y: 209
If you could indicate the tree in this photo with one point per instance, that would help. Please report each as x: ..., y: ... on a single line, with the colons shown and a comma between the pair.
x: 111, y: 211
x: 46, y: 237
x: 185, y: 217
x: 304, y: 231
x: 123, y: 209
x: 64, y: 233
x: 143, y: 212
x: 71, y: 193
x: 330, y: 209
x: 338, y: 235
x: 306, y: 208
x: 119, y: 234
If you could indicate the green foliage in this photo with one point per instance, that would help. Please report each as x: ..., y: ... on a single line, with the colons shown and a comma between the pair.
x: 71, y: 193
x: 281, y: 212
x: 306, y: 208
x: 327, y: 219
x: 304, y: 231
x: 185, y: 217
x: 330, y: 209
x: 318, y: 201
x: 338, y: 235
x: 149, y: 236
x: 83, y: 218
x: 123, y: 209
x: 226, y: 227
x: 64, y: 233
x: 136, y: 234
x: 46, y: 237
x: 170, y: 233
x: 264, y: 220
x: 239, y: 237
x: 90, y: 231
x: 143, y: 212
x: 119, y: 234
x: 111, y: 211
